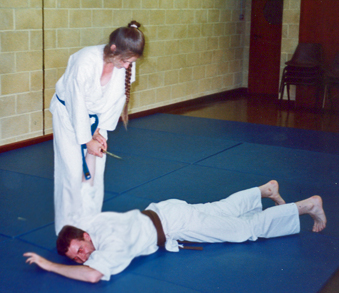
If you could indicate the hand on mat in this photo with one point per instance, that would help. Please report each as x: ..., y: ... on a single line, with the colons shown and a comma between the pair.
x: 98, y: 137
x: 37, y: 259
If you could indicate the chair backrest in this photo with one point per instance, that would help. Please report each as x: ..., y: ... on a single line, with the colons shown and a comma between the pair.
x: 332, y: 70
x: 307, y: 54
x: 335, y: 63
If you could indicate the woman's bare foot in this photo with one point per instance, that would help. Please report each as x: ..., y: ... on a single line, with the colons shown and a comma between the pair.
x: 271, y: 190
x: 314, y: 207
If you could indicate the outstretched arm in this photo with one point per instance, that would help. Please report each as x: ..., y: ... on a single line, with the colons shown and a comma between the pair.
x: 82, y: 273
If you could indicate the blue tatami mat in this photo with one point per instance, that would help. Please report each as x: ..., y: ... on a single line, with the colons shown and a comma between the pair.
x: 125, y: 203
x: 164, y: 145
x: 197, y: 184
x: 36, y: 160
x: 240, y: 131
x: 196, y: 160
x: 3, y: 238
x: 273, y: 265
x: 278, y: 161
x: 43, y: 237
x: 132, y: 171
x: 26, y: 203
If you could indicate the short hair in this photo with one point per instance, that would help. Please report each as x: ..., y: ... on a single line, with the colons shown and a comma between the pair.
x: 129, y: 42
x: 65, y: 236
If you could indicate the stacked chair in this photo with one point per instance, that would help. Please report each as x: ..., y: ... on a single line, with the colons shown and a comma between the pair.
x: 331, y: 79
x: 305, y: 68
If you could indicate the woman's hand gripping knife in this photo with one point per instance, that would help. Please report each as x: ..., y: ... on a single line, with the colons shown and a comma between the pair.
x: 97, y: 144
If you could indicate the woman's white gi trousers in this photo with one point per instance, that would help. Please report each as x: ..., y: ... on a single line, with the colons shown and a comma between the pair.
x: 73, y: 199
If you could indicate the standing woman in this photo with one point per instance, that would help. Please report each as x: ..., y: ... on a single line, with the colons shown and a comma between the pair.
x: 89, y: 99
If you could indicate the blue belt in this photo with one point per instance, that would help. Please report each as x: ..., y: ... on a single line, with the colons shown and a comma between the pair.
x: 94, y: 126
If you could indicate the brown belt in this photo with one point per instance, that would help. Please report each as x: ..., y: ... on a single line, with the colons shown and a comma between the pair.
x: 158, y: 226
x: 160, y: 231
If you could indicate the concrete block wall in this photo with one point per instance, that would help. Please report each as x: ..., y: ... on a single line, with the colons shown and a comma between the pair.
x: 20, y: 70
x: 246, y: 11
x: 194, y: 48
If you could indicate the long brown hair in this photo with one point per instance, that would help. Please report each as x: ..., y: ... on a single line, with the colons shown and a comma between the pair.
x: 124, y: 115
x: 129, y: 42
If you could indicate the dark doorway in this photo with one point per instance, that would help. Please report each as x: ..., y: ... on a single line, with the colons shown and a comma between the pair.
x: 265, y: 47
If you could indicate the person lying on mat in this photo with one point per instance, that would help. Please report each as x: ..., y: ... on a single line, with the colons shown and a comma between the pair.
x: 107, y: 243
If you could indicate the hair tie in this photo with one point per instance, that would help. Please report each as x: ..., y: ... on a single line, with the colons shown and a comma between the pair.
x: 134, y: 25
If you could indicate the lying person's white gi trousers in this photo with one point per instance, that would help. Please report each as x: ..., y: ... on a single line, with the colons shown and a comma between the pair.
x: 237, y: 218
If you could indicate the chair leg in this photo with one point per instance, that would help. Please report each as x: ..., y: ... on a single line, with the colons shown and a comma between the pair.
x: 282, y: 83
x: 329, y: 96
x: 281, y: 93
x: 288, y: 94
x: 325, y: 95
x: 318, y: 97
